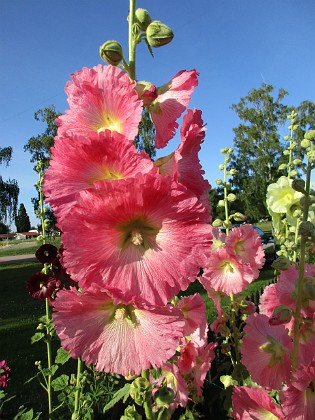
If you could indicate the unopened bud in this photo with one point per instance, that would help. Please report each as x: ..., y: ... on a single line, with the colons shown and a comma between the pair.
x: 219, y: 182
x: 298, y: 185
x: 286, y: 152
x: 111, y: 52
x: 217, y: 223
x: 282, y: 263
x: 282, y: 166
x: 143, y: 18
x: 238, y: 217
x: 159, y: 34
x: 164, y: 395
x: 131, y: 413
x: 221, y: 203
x: 233, y: 172
x: 221, y: 167
x: 310, y: 135
x: 309, y: 288
x: 311, y: 155
x: 231, y: 197
x: 305, y: 143
x: 140, y: 390
x: 307, y: 230
x: 296, y: 161
x: 248, y: 307
x: 281, y: 315
x: 147, y: 92
x: 293, y: 173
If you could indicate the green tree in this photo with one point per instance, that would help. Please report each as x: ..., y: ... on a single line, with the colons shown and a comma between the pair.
x: 257, y: 147
x: 145, y: 138
x: 22, y: 221
x: 4, y: 228
x: 9, y: 190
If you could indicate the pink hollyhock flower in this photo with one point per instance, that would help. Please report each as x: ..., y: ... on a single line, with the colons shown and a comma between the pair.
x: 298, y: 397
x: 254, y: 404
x: 101, y: 98
x: 176, y: 382
x: 184, y: 164
x: 202, y: 366
x: 244, y: 242
x: 170, y: 103
x: 146, y: 236
x: 4, y: 373
x: 78, y: 162
x: 286, y: 289
x: 194, y: 312
x: 188, y: 357
x: 117, y: 337
x: 225, y: 273
x: 266, y: 351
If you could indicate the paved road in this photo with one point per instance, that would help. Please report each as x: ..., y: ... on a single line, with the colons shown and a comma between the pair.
x: 12, y: 259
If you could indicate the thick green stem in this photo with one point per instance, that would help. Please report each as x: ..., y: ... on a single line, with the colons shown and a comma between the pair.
x: 49, y: 358
x: 132, y: 44
x: 226, y: 207
x: 77, y: 395
x: 297, y: 314
x: 147, y: 404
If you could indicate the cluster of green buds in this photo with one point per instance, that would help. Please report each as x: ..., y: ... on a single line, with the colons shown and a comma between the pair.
x: 227, y: 197
x: 292, y: 163
x: 154, y: 33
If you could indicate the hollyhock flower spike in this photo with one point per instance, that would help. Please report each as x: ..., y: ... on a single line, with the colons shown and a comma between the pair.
x: 117, y: 336
x: 78, y: 162
x: 101, y: 98
x: 254, y: 404
x: 184, y: 164
x: 266, y: 352
x: 171, y: 102
x: 128, y: 228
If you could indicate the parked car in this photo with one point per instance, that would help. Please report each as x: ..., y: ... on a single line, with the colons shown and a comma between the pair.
x: 268, y: 243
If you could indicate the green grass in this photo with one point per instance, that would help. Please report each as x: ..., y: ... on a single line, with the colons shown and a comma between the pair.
x: 27, y: 250
x: 19, y: 315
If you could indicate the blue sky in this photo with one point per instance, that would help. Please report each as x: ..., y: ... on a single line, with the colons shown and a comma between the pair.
x: 235, y: 45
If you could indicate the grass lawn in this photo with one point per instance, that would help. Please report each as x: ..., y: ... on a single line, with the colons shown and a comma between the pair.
x: 20, y: 250
x: 19, y: 315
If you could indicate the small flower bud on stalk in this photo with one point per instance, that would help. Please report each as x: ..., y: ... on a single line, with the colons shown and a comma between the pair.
x: 305, y: 143
x: 231, y: 197
x: 281, y: 315
x: 143, y: 18
x: 219, y: 182
x: 298, y: 185
x: 281, y: 263
x: 140, y: 390
x: 111, y: 52
x: 310, y: 135
x: 164, y: 396
x: 307, y: 229
x: 309, y: 288
x: 238, y: 217
x: 217, y: 223
x: 159, y: 34
x: 247, y: 307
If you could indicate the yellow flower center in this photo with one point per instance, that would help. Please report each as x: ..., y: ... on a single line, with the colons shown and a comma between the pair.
x: 109, y: 122
x: 138, y: 232
x: 276, y: 350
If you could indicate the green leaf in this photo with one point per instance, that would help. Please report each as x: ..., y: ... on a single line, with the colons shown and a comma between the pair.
x: 37, y: 337
x: 121, y: 393
x: 62, y: 356
x: 27, y: 415
x: 50, y: 371
x: 60, y: 383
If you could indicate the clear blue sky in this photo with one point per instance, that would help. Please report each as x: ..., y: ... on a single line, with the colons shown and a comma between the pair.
x: 235, y: 45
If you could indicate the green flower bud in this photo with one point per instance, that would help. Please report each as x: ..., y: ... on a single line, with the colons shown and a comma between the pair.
x: 233, y: 172
x: 311, y: 156
x: 221, y: 167
x: 164, y: 395
x: 309, y: 288
x: 307, y: 229
x: 310, y: 135
x: 143, y: 18
x: 296, y: 161
x: 281, y: 315
x: 282, y: 166
x: 131, y: 413
x: 281, y: 263
x: 111, y: 52
x: 238, y: 217
x: 221, y: 203
x: 293, y: 173
x: 140, y: 390
x: 219, y: 182
x: 305, y: 143
x: 286, y: 138
x: 298, y: 185
x: 231, y: 197
x: 286, y: 152
x: 217, y: 223
x: 159, y: 34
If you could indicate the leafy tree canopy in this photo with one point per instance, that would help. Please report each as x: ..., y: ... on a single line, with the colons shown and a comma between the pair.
x: 9, y: 190
x: 22, y: 220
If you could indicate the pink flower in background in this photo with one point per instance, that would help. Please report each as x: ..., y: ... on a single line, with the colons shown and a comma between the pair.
x: 171, y: 102
x: 203, y: 364
x: 146, y: 236
x: 244, y: 242
x: 254, y: 404
x: 298, y: 397
x: 101, y: 98
x: 4, y: 373
x: 184, y: 164
x: 266, y: 351
x: 116, y: 336
x: 225, y: 273
x: 194, y: 312
x: 188, y: 357
x: 78, y: 162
